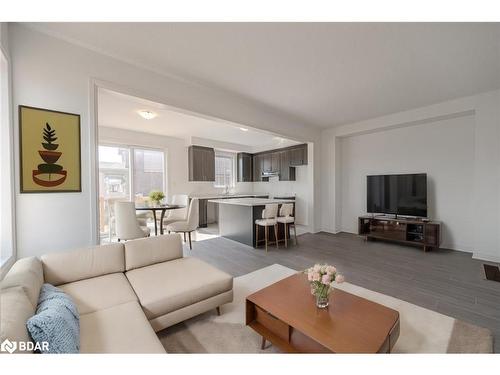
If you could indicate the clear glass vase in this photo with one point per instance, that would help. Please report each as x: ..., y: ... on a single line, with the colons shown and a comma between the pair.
x: 322, y: 301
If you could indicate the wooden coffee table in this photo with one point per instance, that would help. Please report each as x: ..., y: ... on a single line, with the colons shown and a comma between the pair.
x: 285, y: 314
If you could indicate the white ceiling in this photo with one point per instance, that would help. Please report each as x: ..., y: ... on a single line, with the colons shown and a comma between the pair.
x: 325, y: 74
x: 116, y: 110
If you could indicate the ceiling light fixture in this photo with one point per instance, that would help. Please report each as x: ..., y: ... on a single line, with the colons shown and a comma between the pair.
x: 244, y: 129
x: 148, y: 115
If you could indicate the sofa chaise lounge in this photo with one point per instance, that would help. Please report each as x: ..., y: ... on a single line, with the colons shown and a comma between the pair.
x: 124, y: 292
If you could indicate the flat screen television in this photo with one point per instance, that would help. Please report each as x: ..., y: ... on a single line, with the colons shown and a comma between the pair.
x: 398, y: 194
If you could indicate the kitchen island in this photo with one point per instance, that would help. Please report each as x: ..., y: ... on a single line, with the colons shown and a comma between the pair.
x: 204, y: 198
x: 237, y: 218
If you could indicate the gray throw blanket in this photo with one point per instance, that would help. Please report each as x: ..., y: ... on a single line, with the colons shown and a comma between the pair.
x: 56, y: 322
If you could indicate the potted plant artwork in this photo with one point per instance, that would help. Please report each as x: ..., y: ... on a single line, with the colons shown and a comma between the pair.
x: 49, y: 173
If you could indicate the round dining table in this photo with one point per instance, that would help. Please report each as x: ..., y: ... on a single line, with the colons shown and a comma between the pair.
x: 163, y: 209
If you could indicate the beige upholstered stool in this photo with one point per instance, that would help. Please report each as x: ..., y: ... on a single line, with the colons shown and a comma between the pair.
x: 287, y: 220
x: 268, y: 220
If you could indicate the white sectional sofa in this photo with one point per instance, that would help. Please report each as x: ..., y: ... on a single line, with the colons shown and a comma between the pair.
x: 124, y: 292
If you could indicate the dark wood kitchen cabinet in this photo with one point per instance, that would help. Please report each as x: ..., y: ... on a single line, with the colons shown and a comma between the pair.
x: 287, y: 173
x: 275, y: 161
x: 245, y: 167
x: 266, y: 162
x: 201, y: 163
x: 257, y: 167
x: 298, y: 155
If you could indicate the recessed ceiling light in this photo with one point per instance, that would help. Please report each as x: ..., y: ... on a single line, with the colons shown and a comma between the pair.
x: 148, y: 115
x: 244, y: 129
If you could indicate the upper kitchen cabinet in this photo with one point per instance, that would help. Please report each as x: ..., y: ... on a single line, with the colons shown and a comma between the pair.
x: 280, y: 162
x: 298, y: 155
x: 266, y: 162
x: 275, y: 161
x: 270, y: 161
x: 287, y: 173
x: 201, y: 163
x: 245, y: 167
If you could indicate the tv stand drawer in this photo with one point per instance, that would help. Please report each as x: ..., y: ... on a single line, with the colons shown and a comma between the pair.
x: 388, y: 229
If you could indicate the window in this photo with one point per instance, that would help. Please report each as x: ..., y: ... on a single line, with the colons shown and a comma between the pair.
x: 148, y: 172
x: 7, y: 251
x: 224, y: 169
x: 114, y: 184
x: 126, y: 173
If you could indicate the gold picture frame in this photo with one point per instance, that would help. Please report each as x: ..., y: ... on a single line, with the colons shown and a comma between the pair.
x: 50, y: 151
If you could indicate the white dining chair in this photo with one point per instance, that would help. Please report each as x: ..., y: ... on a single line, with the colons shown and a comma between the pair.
x: 179, y: 214
x: 190, y: 224
x: 126, y: 224
x: 142, y: 215
x: 268, y: 220
x: 287, y: 219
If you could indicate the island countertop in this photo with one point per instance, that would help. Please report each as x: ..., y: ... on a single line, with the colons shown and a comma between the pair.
x: 226, y: 196
x: 250, y: 202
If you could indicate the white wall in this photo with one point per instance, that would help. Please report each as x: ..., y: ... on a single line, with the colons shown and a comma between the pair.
x: 462, y: 138
x: 443, y: 149
x: 51, y: 73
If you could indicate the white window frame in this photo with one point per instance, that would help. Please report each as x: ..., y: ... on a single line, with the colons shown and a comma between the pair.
x: 228, y: 155
x: 131, y: 149
x: 132, y: 163
x: 7, y: 218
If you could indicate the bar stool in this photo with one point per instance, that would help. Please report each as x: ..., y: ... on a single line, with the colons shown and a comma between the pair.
x: 287, y: 219
x: 268, y: 220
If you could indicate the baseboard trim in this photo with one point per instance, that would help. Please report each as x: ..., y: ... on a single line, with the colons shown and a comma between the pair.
x: 329, y: 231
x: 486, y: 257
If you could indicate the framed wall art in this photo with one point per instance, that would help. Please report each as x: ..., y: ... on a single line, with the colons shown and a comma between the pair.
x: 49, y: 151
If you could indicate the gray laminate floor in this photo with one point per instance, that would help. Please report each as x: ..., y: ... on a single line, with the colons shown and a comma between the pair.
x: 446, y: 281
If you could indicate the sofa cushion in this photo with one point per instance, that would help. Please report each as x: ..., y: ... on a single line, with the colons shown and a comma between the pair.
x: 100, y: 292
x: 152, y: 250
x: 118, y: 329
x: 66, y: 267
x: 168, y: 286
x: 28, y: 274
x: 15, y: 310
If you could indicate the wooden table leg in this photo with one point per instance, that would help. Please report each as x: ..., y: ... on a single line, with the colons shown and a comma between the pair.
x: 263, y: 345
x: 286, y: 241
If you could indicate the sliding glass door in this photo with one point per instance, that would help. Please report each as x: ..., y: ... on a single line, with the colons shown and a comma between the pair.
x: 114, y: 184
x: 148, y: 173
x: 126, y: 173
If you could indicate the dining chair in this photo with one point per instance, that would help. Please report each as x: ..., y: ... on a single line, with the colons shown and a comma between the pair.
x: 179, y: 214
x: 268, y: 220
x: 126, y: 224
x: 286, y: 218
x: 190, y: 224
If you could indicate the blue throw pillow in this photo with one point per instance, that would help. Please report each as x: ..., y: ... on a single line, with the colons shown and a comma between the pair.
x: 56, y: 322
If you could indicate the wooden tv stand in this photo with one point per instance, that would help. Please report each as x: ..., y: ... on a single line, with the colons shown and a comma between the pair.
x: 426, y: 234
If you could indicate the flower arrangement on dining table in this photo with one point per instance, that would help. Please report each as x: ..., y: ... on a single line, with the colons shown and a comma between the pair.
x: 322, y: 278
x: 156, y: 196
